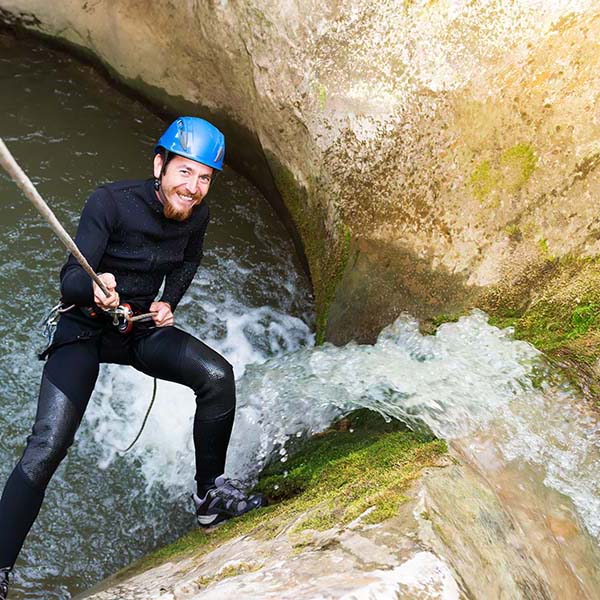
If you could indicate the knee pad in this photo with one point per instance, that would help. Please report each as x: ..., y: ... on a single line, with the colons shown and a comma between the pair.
x: 53, y: 432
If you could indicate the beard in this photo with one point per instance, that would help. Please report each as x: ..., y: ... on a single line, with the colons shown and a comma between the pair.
x: 176, y: 212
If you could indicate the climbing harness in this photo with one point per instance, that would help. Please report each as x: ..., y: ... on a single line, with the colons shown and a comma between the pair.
x: 123, y: 318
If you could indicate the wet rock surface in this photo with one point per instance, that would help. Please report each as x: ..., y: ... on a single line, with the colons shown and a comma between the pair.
x: 427, y: 153
x: 453, y: 539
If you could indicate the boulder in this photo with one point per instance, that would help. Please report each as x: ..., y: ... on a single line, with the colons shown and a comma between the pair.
x: 451, y: 539
x: 422, y: 152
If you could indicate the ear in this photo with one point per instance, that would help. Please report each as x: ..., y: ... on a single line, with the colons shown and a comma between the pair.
x: 158, y: 163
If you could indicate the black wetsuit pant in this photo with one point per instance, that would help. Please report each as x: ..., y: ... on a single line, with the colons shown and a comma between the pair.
x: 67, y: 383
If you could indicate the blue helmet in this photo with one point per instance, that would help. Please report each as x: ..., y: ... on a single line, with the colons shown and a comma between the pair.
x: 196, y: 139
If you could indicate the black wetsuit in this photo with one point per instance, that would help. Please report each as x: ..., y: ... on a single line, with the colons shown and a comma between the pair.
x: 123, y: 231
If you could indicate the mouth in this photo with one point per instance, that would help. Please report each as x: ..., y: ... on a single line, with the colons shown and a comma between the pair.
x: 186, y: 198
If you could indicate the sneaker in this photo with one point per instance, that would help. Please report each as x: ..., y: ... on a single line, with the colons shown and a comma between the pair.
x: 226, y: 500
x: 4, y: 583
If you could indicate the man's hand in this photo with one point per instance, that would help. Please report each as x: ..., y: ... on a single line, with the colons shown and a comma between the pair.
x: 164, y: 314
x: 111, y: 301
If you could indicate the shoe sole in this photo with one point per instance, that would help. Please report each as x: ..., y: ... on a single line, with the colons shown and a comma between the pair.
x: 206, y: 520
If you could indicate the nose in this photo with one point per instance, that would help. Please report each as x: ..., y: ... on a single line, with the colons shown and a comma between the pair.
x: 192, y: 184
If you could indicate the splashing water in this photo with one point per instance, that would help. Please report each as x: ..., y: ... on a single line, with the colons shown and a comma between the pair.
x: 468, y: 379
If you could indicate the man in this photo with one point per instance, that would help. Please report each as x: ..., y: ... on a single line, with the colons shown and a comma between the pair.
x: 137, y: 234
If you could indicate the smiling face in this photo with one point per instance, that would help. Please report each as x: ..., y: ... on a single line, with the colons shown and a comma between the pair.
x: 183, y: 185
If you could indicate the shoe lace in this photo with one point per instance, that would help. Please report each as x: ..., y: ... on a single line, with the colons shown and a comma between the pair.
x: 231, y: 488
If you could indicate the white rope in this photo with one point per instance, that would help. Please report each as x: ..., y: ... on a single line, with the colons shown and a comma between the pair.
x: 17, y: 174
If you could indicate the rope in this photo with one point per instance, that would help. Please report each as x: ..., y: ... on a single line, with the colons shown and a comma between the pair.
x: 137, y: 437
x: 8, y: 162
x: 17, y: 174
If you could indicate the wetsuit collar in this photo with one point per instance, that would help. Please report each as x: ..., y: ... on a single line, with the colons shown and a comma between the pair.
x: 150, y: 196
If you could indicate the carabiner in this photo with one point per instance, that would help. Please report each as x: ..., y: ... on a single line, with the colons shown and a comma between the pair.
x: 122, y: 318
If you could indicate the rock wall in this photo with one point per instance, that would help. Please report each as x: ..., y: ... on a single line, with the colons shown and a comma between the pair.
x: 452, y: 539
x: 425, y: 151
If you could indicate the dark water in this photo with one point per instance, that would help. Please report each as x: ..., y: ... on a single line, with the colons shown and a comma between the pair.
x: 71, y: 131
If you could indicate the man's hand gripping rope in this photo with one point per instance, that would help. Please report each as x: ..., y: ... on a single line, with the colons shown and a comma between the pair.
x: 105, y: 294
x: 160, y: 312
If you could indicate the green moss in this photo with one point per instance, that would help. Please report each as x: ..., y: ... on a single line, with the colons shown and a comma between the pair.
x: 583, y: 318
x: 322, y: 96
x: 506, y: 173
x: 483, y: 180
x: 366, y: 463
x: 543, y: 246
x: 518, y: 163
x: 565, y: 308
x: 343, y: 474
x: 557, y: 309
x: 549, y: 325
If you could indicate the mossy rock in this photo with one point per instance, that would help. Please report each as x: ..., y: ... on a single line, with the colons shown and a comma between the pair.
x: 554, y: 304
x: 507, y: 173
x: 363, y: 464
x: 563, y: 304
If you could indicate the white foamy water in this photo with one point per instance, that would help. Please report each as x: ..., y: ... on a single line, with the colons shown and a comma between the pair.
x: 467, y: 379
x: 454, y: 383
x: 165, y: 449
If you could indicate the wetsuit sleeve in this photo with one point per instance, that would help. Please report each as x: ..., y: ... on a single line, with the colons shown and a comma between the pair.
x: 95, y: 225
x: 178, y: 280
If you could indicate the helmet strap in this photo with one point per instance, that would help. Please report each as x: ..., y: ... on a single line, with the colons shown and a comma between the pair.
x: 165, y: 161
x: 157, y: 180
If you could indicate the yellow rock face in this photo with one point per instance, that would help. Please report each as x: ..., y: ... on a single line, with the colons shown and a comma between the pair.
x: 424, y: 151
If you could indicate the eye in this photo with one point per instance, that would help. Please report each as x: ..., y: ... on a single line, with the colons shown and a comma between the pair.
x: 205, y: 178
x: 184, y: 171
